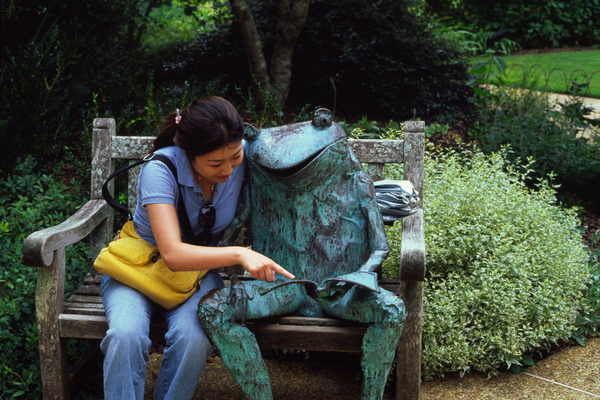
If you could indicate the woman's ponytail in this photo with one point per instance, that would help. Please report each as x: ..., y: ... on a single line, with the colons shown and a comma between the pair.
x: 166, y: 135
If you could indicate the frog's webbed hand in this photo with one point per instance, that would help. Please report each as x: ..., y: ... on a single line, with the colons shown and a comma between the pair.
x: 333, y: 292
x: 238, y: 296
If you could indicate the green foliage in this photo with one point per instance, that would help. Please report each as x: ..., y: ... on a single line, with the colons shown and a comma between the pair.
x: 367, y: 129
x: 179, y: 20
x: 477, y: 43
x: 534, y: 24
x: 506, y: 266
x: 29, y: 200
x: 271, y: 112
x: 487, y: 64
x: 487, y: 68
x: 436, y: 128
x: 528, y: 122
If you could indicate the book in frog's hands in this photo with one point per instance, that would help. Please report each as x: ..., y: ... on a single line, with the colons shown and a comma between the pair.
x: 366, y: 280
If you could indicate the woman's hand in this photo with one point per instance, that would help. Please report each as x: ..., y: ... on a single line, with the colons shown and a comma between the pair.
x: 262, y: 267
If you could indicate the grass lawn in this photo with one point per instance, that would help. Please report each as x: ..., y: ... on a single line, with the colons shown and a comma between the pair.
x: 555, y: 71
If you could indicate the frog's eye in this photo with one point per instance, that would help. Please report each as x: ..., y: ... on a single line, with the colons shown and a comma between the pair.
x: 250, y: 132
x: 322, y: 118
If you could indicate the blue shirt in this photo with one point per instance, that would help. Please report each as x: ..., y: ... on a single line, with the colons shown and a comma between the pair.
x: 157, y: 185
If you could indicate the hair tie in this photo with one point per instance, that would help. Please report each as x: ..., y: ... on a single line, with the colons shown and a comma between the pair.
x: 177, y: 117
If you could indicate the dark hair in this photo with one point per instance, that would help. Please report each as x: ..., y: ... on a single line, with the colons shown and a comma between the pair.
x: 206, y: 125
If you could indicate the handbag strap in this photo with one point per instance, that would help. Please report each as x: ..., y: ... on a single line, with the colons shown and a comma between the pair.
x: 184, y: 221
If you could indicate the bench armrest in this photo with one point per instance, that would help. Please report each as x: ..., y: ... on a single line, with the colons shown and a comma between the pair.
x: 39, y: 247
x: 412, y: 253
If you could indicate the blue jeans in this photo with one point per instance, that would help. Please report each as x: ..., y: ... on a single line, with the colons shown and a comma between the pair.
x: 126, y: 346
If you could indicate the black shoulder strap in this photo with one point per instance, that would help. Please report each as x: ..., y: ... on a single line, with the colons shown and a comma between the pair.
x: 184, y: 220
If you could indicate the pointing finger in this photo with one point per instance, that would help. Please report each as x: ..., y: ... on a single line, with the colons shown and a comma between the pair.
x: 282, y: 271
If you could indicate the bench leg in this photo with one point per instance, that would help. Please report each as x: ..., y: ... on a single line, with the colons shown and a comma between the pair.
x: 53, y: 352
x: 408, y: 361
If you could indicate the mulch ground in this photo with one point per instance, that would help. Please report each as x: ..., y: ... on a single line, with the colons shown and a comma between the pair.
x: 571, y: 374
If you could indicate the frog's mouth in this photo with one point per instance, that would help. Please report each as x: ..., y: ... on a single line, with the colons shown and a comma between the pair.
x: 293, y: 170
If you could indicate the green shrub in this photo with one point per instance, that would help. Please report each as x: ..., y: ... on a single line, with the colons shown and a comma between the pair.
x: 528, y: 123
x: 29, y: 201
x: 506, y: 266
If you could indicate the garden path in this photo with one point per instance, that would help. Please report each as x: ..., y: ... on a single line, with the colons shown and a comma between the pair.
x: 592, y: 103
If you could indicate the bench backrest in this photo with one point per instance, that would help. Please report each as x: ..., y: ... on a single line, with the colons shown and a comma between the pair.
x: 108, y: 147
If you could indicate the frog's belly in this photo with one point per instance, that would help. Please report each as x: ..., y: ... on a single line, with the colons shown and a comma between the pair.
x: 311, y: 241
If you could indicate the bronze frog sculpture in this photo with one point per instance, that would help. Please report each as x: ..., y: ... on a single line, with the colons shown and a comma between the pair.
x: 311, y: 208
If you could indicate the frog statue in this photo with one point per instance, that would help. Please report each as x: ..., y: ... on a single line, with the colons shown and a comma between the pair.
x: 311, y: 208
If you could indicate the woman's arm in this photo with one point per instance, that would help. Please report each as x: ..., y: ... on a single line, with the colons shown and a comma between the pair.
x: 180, y: 256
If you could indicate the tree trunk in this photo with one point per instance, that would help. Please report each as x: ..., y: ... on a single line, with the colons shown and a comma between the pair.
x: 253, y: 45
x: 291, y: 17
x: 290, y: 21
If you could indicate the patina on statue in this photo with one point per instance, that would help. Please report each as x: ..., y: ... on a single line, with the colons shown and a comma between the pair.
x: 311, y: 208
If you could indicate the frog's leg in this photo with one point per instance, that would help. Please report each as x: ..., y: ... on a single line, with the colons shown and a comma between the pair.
x: 385, y: 314
x: 237, y: 345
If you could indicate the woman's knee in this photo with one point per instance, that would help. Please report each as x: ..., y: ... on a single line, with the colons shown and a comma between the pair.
x: 124, y: 340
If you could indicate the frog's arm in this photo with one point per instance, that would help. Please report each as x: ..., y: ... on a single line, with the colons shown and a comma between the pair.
x: 377, y: 238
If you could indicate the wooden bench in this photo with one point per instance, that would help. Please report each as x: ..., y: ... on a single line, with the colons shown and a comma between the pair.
x: 82, y: 315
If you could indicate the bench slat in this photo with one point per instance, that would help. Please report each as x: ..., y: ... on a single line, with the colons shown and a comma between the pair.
x: 308, y: 321
x: 85, y: 299
x: 378, y: 151
x: 366, y: 150
x: 315, y: 338
x: 88, y: 290
x: 82, y: 326
x: 84, y: 310
x: 269, y: 335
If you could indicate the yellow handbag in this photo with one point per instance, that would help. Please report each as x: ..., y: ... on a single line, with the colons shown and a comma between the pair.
x: 135, y: 262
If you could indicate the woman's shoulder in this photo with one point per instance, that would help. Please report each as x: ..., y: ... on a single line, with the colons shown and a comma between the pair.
x: 179, y: 160
x: 171, y: 151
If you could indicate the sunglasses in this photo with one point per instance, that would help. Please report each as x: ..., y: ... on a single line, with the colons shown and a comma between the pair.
x: 207, y: 217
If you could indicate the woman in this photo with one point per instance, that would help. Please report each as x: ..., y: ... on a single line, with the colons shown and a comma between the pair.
x: 204, y: 142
